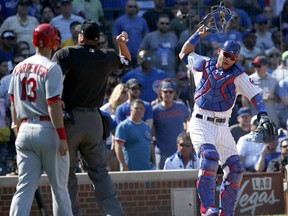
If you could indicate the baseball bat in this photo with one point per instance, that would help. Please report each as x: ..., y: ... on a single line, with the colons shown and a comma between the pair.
x: 40, y: 203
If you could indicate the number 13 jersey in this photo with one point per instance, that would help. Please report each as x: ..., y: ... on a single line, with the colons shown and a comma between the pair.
x: 33, y: 82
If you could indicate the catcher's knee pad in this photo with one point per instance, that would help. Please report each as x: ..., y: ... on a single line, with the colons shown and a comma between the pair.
x: 207, y: 175
x: 230, y: 185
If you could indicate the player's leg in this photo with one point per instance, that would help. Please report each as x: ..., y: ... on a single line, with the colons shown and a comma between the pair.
x: 206, y: 182
x: 57, y: 169
x: 30, y: 170
x: 230, y: 185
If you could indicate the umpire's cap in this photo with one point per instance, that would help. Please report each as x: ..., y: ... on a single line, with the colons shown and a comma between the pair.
x: 90, y: 29
x: 231, y: 47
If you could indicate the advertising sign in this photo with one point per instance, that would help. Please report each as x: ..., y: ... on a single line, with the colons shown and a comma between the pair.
x: 260, y: 193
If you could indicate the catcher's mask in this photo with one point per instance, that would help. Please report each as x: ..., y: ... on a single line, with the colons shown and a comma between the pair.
x: 218, y: 20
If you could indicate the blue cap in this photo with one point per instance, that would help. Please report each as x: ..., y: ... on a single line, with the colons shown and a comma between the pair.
x: 244, y: 111
x: 261, y: 18
x: 248, y: 32
x: 231, y: 47
x: 168, y: 86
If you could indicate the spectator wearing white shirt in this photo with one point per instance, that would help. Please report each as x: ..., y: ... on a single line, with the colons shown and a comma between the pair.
x: 21, y: 24
x: 62, y: 22
x: 185, y: 157
x: 249, y: 151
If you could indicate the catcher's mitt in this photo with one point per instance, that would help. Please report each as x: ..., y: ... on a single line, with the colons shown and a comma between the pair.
x: 266, y: 131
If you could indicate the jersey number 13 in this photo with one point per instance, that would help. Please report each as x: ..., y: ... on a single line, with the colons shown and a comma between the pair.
x: 28, y: 89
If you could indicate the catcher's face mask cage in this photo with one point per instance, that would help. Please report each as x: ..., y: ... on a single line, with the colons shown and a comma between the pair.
x: 218, y: 20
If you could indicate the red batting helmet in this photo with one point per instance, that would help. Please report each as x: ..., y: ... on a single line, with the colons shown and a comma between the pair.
x: 45, y: 35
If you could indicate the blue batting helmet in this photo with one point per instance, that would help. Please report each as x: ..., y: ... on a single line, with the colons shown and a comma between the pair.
x: 231, y: 47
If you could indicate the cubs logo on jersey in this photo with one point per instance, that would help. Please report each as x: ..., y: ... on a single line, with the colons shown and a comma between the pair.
x: 252, y: 81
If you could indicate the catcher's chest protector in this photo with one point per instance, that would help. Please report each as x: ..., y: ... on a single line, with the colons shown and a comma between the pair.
x: 216, y: 90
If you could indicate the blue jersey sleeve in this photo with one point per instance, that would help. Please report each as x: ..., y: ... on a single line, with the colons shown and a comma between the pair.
x: 120, y: 133
x: 258, y: 103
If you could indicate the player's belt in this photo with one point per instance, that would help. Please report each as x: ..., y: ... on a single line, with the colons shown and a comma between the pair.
x: 212, y: 119
x: 36, y: 119
x: 85, y: 109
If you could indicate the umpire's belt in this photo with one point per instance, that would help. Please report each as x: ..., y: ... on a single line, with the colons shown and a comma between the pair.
x: 36, y: 119
x: 85, y: 109
x: 212, y: 119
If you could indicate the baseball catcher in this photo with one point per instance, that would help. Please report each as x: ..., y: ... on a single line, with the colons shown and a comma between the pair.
x: 218, y: 82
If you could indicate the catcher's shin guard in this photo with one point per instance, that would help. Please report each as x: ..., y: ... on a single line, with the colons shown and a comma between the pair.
x: 207, y: 176
x: 230, y: 185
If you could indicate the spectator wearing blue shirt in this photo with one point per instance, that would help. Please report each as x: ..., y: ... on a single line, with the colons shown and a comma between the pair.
x: 169, y: 117
x: 242, y: 14
x: 149, y: 77
x: 134, y: 25
x: 7, y: 9
x: 134, y: 147
x: 123, y: 111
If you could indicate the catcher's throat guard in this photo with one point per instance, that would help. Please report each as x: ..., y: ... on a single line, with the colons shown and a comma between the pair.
x: 218, y: 20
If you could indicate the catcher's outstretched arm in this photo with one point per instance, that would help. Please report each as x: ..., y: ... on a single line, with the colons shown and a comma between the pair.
x: 266, y: 131
x: 258, y: 103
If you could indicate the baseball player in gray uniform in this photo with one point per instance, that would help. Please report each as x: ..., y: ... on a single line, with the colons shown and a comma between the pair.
x: 218, y: 82
x: 41, y: 145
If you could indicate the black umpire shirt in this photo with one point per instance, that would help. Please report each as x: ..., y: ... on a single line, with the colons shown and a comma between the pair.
x: 86, y: 70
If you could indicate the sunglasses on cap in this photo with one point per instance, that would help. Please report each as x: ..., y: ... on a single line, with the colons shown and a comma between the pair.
x: 132, y: 6
x: 228, y: 55
x: 274, y: 55
x: 135, y: 88
x: 146, y: 58
x: 263, y: 23
x: 164, y: 23
x: 185, y: 145
x: 168, y: 91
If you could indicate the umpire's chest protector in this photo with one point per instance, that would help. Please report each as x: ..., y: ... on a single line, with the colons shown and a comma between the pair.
x: 216, y: 90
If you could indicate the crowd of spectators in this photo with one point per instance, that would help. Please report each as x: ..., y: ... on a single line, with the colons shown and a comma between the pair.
x: 157, y: 90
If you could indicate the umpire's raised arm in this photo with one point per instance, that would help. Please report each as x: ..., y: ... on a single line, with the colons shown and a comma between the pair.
x: 122, y: 39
